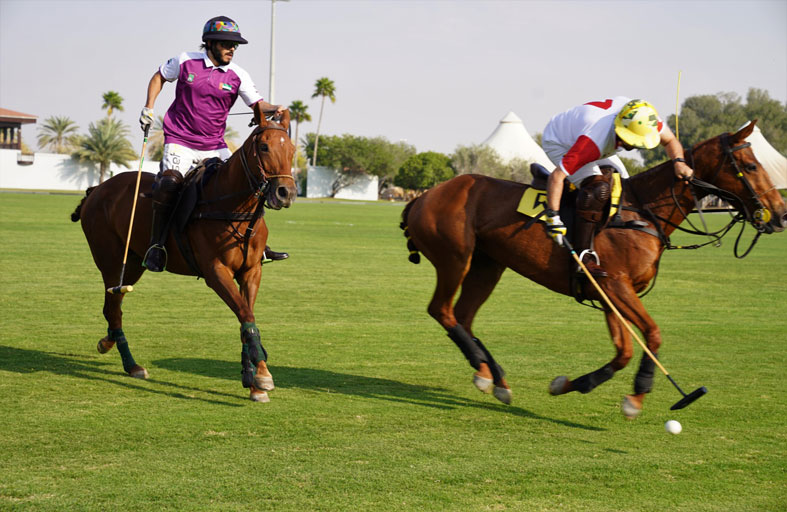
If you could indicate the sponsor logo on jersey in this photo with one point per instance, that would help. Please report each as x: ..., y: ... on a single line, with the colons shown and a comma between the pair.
x: 190, y: 78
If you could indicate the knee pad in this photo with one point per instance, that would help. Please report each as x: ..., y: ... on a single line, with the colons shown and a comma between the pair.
x: 592, y: 198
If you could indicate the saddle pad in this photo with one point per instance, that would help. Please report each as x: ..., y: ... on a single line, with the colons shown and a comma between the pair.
x: 533, y: 202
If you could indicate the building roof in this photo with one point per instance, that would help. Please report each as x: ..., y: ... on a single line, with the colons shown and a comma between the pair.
x: 11, y: 116
x: 511, y: 140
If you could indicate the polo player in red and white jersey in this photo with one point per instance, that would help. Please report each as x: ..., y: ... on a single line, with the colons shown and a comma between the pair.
x: 585, y: 138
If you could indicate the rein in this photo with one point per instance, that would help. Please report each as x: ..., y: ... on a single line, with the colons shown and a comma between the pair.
x: 741, y: 216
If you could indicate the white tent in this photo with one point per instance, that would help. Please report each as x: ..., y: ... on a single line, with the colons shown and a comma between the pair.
x: 771, y: 160
x: 511, y: 140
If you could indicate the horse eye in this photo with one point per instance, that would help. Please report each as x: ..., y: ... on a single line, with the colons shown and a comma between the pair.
x: 750, y: 167
x: 264, y: 147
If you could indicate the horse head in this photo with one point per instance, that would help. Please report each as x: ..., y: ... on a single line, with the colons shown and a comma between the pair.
x: 738, y: 172
x: 271, y: 151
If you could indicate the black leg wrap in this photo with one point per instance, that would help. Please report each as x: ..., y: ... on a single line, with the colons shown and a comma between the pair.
x: 469, y: 348
x: 497, y: 370
x: 589, y: 381
x: 250, y: 336
x: 643, y: 382
x: 247, y: 370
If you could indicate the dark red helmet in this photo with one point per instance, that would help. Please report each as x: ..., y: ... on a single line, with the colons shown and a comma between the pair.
x: 222, y: 28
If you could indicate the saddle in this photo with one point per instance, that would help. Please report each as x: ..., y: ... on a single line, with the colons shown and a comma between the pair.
x: 188, y: 198
x: 534, y: 200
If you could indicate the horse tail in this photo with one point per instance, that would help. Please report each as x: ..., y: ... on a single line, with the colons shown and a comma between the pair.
x: 414, y: 257
x: 75, y: 215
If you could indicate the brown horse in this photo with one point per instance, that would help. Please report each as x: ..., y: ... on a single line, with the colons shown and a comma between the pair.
x: 469, y: 228
x: 225, y: 240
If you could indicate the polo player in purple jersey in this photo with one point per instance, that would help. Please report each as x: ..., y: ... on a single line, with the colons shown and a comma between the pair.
x: 208, y: 83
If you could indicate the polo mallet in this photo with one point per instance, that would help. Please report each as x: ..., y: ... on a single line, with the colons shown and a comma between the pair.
x: 128, y: 288
x: 687, y: 399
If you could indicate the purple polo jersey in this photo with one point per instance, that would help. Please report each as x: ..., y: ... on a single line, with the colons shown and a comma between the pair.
x: 203, y: 98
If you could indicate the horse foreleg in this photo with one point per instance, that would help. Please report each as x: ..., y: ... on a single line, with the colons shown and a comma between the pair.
x: 263, y: 380
x: 589, y: 381
x: 478, y: 284
x: 252, y: 352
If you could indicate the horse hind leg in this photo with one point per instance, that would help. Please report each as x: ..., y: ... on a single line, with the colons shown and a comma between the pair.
x: 480, y: 280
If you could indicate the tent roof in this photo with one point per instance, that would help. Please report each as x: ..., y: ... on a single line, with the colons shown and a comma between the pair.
x: 771, y: 160
x: 511, y: 140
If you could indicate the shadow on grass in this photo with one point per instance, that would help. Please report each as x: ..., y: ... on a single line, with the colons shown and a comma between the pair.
x: 19, y: 360
x: 325, y: 381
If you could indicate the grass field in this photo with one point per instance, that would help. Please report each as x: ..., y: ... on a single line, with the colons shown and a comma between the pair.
x: 374, y: 407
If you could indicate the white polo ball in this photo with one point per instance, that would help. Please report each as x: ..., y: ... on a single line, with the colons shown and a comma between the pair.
x: 673, y: 427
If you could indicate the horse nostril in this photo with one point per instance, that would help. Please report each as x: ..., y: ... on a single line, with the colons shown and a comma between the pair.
x: 282, y: 193
x: 784, y: 221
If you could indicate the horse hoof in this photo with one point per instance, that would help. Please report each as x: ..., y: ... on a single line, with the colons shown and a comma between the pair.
x: 483, y: 384
x: 630, y: 407
x: 264, y: 383
x: 503, y: 394
x: 138, y: 372
x: 559, y: 386
x: 258, y: 395
x: 104, y: 345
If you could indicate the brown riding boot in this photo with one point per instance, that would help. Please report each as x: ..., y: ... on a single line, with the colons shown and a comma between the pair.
x: 593, y: 196
x: 165, y: 193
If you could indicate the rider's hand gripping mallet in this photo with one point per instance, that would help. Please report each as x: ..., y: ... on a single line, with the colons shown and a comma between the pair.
x: 687, y: 399
x: 128, y: 288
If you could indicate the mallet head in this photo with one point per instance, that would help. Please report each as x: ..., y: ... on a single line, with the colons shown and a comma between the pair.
x: 116, y: 290
x: 688, y: 399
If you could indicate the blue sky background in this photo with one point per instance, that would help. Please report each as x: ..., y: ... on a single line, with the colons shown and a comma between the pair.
x: 437, y: 74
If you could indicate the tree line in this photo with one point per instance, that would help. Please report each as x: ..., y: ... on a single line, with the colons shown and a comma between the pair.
x: 397, y: 163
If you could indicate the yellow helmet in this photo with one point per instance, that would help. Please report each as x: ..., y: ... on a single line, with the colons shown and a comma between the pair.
x: 638, y: 124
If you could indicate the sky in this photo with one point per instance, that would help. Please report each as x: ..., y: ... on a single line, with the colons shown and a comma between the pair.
x: 435, y: 74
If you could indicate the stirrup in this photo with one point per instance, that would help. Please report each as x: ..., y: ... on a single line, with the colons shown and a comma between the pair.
x: 593, y: 266
x: 155, y: 258
x: 589, y: 252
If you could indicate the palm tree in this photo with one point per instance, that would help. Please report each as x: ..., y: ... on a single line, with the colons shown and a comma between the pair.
x: 105, y: 144
x: 323, y: 87
x: 112, y: 101
x: 298, y: 112
x: 57, y: 134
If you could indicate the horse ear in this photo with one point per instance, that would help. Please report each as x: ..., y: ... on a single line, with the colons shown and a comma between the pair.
x: 746, y: 130
x: 285, y: 119
x: 258, y: 115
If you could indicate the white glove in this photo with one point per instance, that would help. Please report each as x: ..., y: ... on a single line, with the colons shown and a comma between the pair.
x: 555, y: 227
x: 146, y: 118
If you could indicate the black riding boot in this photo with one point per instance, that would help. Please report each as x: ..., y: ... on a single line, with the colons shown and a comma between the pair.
x: 165, y: 194
x: 593, y: 196
x: 271, y: 255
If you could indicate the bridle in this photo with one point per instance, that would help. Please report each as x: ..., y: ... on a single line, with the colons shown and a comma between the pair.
x: 758, y: 219
x: 261, y: 185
